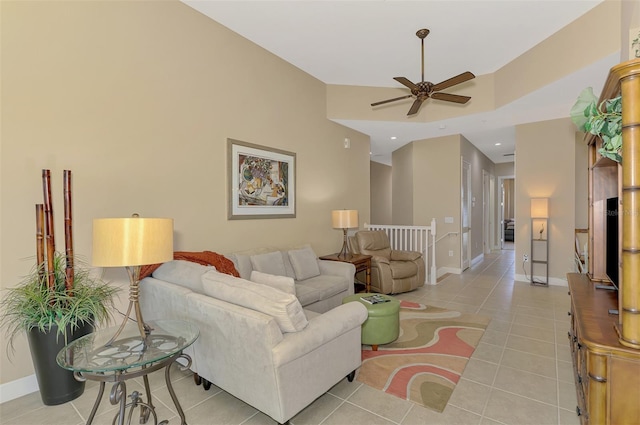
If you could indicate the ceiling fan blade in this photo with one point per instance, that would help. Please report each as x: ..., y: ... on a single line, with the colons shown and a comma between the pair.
x: 406, y: 82
x: 416, y: 105
x: 450, y: 97
x: 465, y: 76
x: 391, y: 100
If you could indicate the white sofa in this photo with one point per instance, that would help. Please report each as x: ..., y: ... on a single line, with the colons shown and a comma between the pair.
x: 318, y: 288
x: 245, y: 351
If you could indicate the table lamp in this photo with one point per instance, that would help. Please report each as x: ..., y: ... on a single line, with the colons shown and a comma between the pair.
x: 131, y: 243
x: 344, y: 219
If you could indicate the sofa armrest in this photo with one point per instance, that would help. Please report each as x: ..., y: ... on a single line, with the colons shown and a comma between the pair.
x: 321, y: 330
x: 337, y: 268
x: 376, y: 259
x: 405, y: 255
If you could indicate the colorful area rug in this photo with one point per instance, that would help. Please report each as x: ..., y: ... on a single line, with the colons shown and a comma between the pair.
x: 426, y: 361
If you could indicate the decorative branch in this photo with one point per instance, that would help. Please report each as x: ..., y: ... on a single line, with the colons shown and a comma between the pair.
x: 68, y: 232
x: 49, y: 232
x: 40, y: 241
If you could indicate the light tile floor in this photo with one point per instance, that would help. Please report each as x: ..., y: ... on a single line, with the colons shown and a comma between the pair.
x: 520, y: 373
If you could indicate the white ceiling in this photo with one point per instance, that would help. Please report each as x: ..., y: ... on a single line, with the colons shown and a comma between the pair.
x: 367, y: 43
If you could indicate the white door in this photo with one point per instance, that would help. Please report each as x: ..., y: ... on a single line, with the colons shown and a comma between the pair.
x: 465, y: 193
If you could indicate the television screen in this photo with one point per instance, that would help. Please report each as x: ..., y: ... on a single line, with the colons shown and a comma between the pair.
x: 611, y: 240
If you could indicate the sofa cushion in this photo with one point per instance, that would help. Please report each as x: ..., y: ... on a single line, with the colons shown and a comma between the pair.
x: 270, y: 263
x: 242, y: 264
x: 320, y: 288
x: 304, y: 262
x: 184, y: 273
x: 284, y: 308
x: 282, y: 283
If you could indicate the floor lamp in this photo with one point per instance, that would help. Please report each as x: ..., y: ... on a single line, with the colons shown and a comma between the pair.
x: 131, y: 243
x: 344, y: 219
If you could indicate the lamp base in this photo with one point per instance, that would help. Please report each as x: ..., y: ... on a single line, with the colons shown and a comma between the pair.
x: 344, y: 252
x: 134, y: 292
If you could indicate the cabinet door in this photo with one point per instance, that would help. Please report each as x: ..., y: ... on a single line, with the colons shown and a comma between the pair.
x: 624, y: 391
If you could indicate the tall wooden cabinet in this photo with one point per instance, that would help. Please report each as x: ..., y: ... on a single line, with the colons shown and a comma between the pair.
x: 606, y: 347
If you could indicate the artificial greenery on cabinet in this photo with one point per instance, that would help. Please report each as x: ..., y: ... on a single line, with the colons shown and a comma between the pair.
x: 603, y: 120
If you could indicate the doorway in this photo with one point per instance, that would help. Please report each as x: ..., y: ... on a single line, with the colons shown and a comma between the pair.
x: 507, y: 212
x: 465, y: 195
x: 488, y: 212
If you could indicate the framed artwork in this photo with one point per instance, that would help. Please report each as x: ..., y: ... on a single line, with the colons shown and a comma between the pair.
x: 634, y: 43
x: 262, y: 181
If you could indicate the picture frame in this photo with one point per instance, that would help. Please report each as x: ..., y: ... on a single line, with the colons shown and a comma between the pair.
x: 262, y: 181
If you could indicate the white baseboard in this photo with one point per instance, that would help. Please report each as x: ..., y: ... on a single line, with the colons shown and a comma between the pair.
x: 445, y: 270
x: 18, y: 388
x: 477, y: 259
x: 553, y: 281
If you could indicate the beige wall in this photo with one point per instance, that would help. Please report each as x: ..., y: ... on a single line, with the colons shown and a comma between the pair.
x: 504, y: 169
x: 548, y: 172
x: 381, y: 201
x: 436, y: 192
x: 138, y: 100
x: 402, y: 185
x: 630, y: 17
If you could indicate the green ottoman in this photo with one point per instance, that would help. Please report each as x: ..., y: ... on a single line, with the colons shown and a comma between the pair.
x: 383, y: 324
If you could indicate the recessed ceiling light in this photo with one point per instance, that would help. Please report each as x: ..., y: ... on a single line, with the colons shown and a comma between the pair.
x: 393, y: 137
x: 498, y: 144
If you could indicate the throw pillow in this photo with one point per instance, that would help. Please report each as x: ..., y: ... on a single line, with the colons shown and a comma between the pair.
x: 284, y: 308
x: 270, y: 263
x: 183, y: 273
x: 282, y: 283
x: 305, y: 263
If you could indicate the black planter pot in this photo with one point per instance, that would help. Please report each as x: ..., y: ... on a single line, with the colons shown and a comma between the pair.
x: 57, y: 385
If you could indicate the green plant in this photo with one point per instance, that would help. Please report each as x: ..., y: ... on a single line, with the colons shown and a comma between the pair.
x: 33, y: 304
x: 604, y: 121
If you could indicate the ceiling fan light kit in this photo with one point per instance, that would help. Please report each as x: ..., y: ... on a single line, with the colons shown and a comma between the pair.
x: 425, y: 89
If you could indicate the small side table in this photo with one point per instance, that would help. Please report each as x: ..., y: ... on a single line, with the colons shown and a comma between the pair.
x: 129, y: 357
x: 361, y: 261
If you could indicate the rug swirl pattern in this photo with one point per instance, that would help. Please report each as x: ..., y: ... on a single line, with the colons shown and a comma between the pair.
x: 426, y: 361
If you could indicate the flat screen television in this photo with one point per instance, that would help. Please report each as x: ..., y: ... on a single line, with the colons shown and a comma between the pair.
x: 611, y: 241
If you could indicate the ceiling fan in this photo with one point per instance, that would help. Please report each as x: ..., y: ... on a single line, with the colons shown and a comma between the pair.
x: 426, y: 89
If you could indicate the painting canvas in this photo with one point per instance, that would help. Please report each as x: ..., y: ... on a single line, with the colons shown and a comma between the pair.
x: 262, y: 181
x: 634, y: 43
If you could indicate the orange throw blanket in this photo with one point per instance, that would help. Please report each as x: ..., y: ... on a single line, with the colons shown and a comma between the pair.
x: 206, y: 258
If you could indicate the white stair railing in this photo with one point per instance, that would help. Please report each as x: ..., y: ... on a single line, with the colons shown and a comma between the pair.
x: 413, y: 238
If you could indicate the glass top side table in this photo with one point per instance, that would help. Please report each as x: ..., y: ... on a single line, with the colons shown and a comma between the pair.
x: 129, y: 357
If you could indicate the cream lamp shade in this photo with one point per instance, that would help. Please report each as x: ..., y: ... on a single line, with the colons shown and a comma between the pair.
x: 133, y: 241
x: 344, y: 219
x: 539, y: 207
